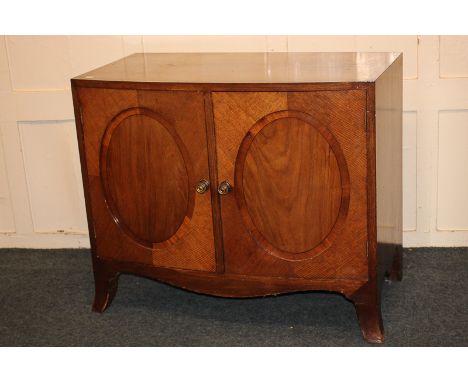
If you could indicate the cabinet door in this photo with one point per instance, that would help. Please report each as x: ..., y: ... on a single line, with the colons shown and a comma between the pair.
x: 145, y: 153
x: 297, y: 166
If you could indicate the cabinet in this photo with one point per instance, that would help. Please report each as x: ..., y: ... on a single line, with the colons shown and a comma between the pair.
x: 245, y: 174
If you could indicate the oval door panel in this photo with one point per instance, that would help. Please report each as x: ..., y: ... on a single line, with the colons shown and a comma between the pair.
x: 145, y: 177
x: 293, y: 184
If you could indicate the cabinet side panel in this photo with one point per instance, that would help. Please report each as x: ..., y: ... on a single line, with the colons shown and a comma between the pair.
x: 388, y: 108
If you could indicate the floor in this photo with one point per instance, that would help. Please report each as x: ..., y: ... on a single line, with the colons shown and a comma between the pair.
x: 46, y: 296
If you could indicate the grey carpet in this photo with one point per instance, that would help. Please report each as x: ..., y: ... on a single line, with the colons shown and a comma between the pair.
x: 46, y: 296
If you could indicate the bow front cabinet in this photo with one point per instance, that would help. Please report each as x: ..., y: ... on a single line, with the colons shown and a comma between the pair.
x: 245, y: 174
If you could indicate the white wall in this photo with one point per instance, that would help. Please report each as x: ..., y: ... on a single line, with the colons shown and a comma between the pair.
x: 41, y: 197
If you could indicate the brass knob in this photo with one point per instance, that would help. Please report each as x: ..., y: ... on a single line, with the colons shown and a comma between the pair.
x: 203, y: 186
x: 224, y: 188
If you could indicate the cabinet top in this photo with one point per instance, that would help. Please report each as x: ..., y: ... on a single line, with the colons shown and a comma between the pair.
x: 244, y: 68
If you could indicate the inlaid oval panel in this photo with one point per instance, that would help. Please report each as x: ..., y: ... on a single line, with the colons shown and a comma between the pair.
x: 291, y: 182
x: 145, y: 177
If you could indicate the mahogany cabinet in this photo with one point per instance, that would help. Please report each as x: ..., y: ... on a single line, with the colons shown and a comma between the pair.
x: 245, y: 174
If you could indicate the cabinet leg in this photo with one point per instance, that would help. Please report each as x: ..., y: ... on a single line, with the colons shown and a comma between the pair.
x: 396, y: 272
x: 106, y: 282
x: 370, y: 321
x: 367, y: 304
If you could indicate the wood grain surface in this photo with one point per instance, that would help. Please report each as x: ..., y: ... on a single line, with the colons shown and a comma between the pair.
x: 141, y: 156
x: 339, y: 119
x: 291, y: 179
x: 101, y: 108
x: 223, y: 285
x: 256, y: 68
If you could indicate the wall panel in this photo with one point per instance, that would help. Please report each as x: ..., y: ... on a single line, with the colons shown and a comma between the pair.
x: 205, y: 43
x: 38, y: 62
x: 322, y: 43
x: 132, y: 44
x: 89, y: 52
x: 16, y: 178
x: 7, y: 220
x: 35, y: 106
x: 50, y: 154
x: 43, y: 191
x: 5, y: 83
x: 409, y: 171
x: 452, y: 186
x: 453, y: 56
